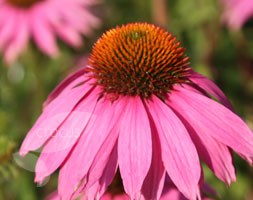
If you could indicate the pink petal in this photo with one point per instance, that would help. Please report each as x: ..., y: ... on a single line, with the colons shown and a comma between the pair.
x: 19, y: 42
x: 102, y: 158
x: 4, y: 10
x: 6, y: 32
x: 179, y: 155
x: 121, y: 197
x: 106, y: 116
x: 78, y: 16
x: 206, y: 115
x: 215, y: 154
x: 77, y: 22
x: 90, y: 194
x: 69, y: 82
x: 172, y: 193
x: 108, y: 196
x: 53, y: 196
x: 98, y: 188
x: 69, y: 35
x: 237, y: 12
x: 211, y: 88
x: 57, y: 148
x: 109, y: 171
x: 91, y: 21
x: 52, y: 117
x: 154, y: 181
x: 135, y: 146
x: 43, y: 34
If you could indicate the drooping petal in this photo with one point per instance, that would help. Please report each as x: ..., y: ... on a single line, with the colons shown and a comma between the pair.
x: 206, y: 115
x: 102, y: 158
x: 237, y: 12
x: 154, y: 181
x: 53, y: 196
x: 57, y: 148
x: 170, y: 192
x: 215, y: 154
x: 173, y: 194
x: 84, y: 17
x: 52, y: 117
x: 179, y: 155
x: 108, y: 196
x: 211, y: 88
x: 19, y: 42
x: 4, y: 11
x: 109, y: 171
x: 7, y: 28
x: 134, y: 146
x: 98, y: 188
x: 76, y: 20
x: 105, y: 118
x: 67, y: 33
x: 43, y: 34
x: 45, y: 21
x: 69, y: 82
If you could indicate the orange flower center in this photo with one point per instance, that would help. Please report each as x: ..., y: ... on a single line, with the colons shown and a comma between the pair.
x: 23, y: 3
x: 138, y: 59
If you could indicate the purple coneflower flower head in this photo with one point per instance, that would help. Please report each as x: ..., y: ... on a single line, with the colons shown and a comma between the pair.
x: 237, y: 12
x: 137, y: 108
x: 43, y: 21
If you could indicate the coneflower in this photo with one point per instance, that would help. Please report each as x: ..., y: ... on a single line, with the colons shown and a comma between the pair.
x: 43, y: 21
x: 140, y: 108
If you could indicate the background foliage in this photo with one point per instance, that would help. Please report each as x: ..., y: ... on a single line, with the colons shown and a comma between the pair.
x: 223, y: 55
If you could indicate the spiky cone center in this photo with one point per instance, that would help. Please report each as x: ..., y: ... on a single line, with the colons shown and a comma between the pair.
x: 23, y: 3
x: 138, y: 59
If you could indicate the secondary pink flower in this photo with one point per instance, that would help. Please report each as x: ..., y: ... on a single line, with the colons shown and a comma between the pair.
x: 169, y: 193
x: 43, y: 21
x: 106, y: 196
x: 237, y: 12
x: 139, y: 108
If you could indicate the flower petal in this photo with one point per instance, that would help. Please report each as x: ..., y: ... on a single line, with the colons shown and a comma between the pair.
x: 105, y: 117
x: 134, y: 147
x: 53, y: 196
x: 57, y: 148
x: 20, y: 40
x: 108, y: 196
x: 172, y: 193
x: 215, y: 154
x: 64, y: 85
x: 109, y: 171
x: 179, y: 155
x: 154, y: 181
x: 102, y: 158
x: 66, y: 32
x: 52, y: 117
x: 211, y: 88
x: 206, y: 115
x: 98, y: 188
x: 7, y: 28
x: 43, y: 33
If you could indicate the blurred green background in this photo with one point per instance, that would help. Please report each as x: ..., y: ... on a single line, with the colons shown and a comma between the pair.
x: 223, y: 55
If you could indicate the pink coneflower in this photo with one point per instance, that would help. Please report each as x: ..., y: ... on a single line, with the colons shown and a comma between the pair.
x: 139, y: 108
x: 237, y: 12
x: 43, y: 21
x: 170, y: 192
x: 107, y: 196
